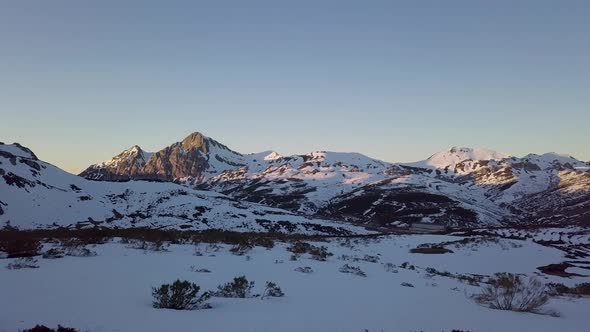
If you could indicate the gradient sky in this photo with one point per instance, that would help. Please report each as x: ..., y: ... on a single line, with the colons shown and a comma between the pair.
x: 80, y: 81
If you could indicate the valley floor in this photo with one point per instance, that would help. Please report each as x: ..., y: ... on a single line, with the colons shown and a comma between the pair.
x: 112, y: 290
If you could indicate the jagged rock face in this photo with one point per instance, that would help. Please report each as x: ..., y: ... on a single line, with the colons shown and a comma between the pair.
x: 180, y: 160
x: 124, y: 166
x: 188, y: 159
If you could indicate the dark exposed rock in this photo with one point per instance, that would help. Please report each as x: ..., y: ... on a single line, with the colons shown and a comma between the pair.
x: 12, y: 179
x: 186, y: 159
x: 381, y: 207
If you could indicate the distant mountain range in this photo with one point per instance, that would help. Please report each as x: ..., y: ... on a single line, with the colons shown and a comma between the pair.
x: 458, y: 187
x: 35, y: 194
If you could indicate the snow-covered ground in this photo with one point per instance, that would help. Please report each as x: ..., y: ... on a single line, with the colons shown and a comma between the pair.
x: 112, y: 291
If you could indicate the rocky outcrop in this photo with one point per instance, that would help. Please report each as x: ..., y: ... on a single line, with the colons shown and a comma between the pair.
x: 188, y: 159
x: 124, y: 166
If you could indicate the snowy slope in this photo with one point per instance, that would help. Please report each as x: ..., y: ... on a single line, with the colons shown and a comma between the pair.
x: 301, y: 182
x: 450, y: 158
x: 36, y: 194
x: 112, y: 291
x: 459, y: 187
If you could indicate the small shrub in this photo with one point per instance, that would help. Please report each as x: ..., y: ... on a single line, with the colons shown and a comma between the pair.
x: 507, y: 291
x: 317, y: 253
x: 265, y: 242
x: 407, y: 265
x: 53, y: 253
x: 80, y: 251
x: 195, y: 269
x: 272, y: 290
x: 390, y: 267
x: 370, y: 259
x: 352, y: 269
x: 240, y: 287
x: 241, y: 249
x: 304, y: 269
x: 181, y: 295
x: 320, y: 253
x: 23, y: 263
x: 472, y: 280
x: 156, y: 245
x: 197, y: 251
x: 299, y: 248
x: 212, y: 247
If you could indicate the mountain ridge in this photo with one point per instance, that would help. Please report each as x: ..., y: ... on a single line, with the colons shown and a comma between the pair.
x: 456, y: 187
x: 36, y: 194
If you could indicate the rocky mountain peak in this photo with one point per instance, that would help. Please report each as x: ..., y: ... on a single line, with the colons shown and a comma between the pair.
x: 197, y: 141
x: 135, y: 149
x: 195, y: 157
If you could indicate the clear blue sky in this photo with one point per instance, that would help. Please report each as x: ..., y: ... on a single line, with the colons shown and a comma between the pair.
x: 80, y: 81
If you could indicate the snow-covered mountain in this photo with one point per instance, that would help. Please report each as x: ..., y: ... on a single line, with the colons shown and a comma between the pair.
x: 459, y: 187
x: 449, y: 159
x: 194, y: 159
x: 35, y: 194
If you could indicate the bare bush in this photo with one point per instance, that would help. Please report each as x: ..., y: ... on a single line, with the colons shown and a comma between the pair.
x: 23, y: 263
x: 317, y: 253
x: 53, y: 253
x: 156, y: 245
x: 507, y: 291
x: 304, y: 269
x: 199, y: 270
x: 272, y: 290
x: 80, y: 251
x: 353, y: 270
x: 241, y: 249
x: 390, y: 267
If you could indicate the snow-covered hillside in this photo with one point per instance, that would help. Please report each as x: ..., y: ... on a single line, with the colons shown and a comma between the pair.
x: 35, y: 194
x: 458, y: 187
x: 401, y: 291
x: 301, y: 182
x: 455, y: 155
